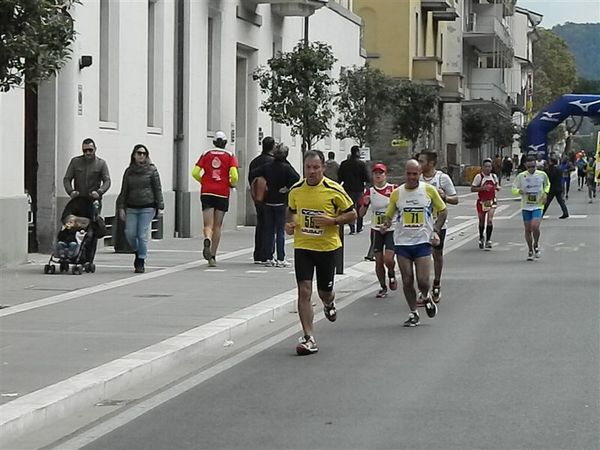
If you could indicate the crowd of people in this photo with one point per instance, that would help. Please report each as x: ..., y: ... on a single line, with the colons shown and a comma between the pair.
x: 408, y: 223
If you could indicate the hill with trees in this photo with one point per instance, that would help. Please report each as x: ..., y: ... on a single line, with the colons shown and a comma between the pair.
x: 583, y: 40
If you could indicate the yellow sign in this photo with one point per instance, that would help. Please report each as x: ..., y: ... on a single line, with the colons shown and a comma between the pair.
x: 400, y: 143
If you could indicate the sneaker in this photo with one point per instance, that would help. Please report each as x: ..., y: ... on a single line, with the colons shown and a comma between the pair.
x: 206, y: 250
x: 537, y: 253
x: 382, y: 293
x: 256, y: 261
x: 488, y: 245
x: 430, y: 308
x: 269, y: 263
x: 306, y: 346
x: 590, y: 201
x: 212, y: 262
x: 393, y: 283
x: 369, y: 258
x: 481, y: 243
x: 530, y: 256
x: 564, y: 216
x: 330, y: 311
x: 413, y: 320
x: 282, y: 263
x: 420, y: 301
x: 436, y: 294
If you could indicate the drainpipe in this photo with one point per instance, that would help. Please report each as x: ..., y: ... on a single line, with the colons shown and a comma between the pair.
x: 179, y: 166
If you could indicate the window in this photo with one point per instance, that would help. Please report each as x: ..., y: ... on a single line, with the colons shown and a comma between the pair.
x: 109, y: 61
x: 155, y: 57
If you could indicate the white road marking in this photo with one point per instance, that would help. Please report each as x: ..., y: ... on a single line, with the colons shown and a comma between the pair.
x: 256, y: 271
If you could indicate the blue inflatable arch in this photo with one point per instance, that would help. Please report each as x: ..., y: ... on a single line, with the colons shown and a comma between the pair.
x: 555, y: 113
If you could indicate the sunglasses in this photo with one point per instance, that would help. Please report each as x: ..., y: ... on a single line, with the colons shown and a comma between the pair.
x: 141, y: 153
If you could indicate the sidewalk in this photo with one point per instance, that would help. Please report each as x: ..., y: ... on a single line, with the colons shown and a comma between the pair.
x: 68, y: 340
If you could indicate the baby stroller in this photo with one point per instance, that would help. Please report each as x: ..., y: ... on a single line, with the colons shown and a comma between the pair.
x: 90, y: 225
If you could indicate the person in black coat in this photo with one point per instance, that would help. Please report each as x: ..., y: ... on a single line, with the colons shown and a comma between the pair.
x: 556, y: 190
x: 280, y: 177
x: 266, y: 157
x: 354, y: 176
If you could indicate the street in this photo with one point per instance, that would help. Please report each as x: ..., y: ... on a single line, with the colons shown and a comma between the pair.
x: 510, y: 362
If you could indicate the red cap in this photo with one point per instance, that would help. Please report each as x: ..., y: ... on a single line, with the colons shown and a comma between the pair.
x: 379, y: 166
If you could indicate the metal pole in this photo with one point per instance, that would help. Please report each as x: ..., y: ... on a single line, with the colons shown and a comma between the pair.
x: 306, y: 31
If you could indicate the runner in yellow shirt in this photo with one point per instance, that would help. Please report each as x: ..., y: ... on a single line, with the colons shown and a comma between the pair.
x: 415, y: 204
x: 317, y: 207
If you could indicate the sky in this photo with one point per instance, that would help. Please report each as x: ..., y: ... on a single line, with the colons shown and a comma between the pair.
x: 557, y: 12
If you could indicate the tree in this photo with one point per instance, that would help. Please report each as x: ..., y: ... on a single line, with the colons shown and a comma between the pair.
x: 477, y: 124
x: 413, y: 108
x: 503, y: 131
x: 553, y: 68
x: 298, y: 88
x: 361, y: 102
x: 35, y: 36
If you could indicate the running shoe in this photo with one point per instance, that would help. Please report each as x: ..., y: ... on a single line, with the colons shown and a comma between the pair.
x: 413, y: 320
x: 269, y: 263
x: 382, y: 293
x: 481, y: 243
x: 330, y: 312
x: 212, y: 262
x: 537, y: 253
x: 282, y: 263
x: 420, y: 301
x: 430, y: 308
x: 306, y: 346
x: 206, y: 250
x: 530, y: 256
x: 436, y: 294
x: 488, y: 245
x: 393, y: 283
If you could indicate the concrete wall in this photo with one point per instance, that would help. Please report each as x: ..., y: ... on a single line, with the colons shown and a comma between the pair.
x: 13, y: 201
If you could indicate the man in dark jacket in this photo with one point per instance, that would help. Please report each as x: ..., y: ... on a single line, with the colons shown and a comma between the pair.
x: 353, y: 175
x: 266, y: 157
x: 89, y: 172
x: 555, y: 176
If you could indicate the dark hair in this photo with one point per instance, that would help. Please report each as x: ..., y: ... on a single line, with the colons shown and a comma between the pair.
x: 355, y: 150
x: 531, y: 158
x: 331, y: 155
x: 431, y: 156
x: 267, y: 144
x: 136, y: 147
x: 553, y: 160
x: 89, y: 141
x: 314, y: 154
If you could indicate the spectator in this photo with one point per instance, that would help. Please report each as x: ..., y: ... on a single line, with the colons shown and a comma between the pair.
x: 353, y: 175
x: 332, y: 168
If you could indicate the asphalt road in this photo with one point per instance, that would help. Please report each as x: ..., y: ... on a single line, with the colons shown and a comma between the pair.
x: 511, y: 362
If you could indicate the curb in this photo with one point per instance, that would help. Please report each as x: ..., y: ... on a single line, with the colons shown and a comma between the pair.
x: 52, y: 403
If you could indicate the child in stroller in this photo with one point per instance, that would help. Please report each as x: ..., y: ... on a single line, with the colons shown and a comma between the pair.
x: 77, y: 238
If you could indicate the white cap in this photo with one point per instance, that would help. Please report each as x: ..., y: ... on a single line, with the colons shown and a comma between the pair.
x: 220, y: 135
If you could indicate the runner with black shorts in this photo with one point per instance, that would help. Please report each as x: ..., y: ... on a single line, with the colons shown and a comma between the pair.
x: 378, y: 198
x: 216, y: 171
x: 317, y: 207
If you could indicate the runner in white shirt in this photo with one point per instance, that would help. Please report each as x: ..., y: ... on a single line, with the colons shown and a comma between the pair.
x: 378, y: 198
x: 443, y: 183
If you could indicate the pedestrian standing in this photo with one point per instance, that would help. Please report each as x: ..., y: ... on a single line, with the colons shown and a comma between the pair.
x: 280, y: 177
x: 260, y: 250
x: 497, y: 167
x: 317, y: 207
x: 414, y: 205
x: 486, y: 184
x: 533, y: 186
x: 332, y: 168
x: 555, y: 175
x: 139, y: 201
x: 445, y: 187
x: 581, y: 165
x: 566, y: 167
x: 354, y: 176
x: 217, y: 172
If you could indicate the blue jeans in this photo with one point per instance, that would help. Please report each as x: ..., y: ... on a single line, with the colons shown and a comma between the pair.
x: 274, y: 230
x: 137, y: 229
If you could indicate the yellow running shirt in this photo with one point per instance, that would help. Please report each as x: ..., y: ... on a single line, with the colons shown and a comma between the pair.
x: 326, y: 198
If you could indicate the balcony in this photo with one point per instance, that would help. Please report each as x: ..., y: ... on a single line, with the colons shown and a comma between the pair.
x: 487, y: 84
x: 433, y: 5
x: 428, y: 70
x: 487, y: 34
x: 289, y: 8
x: 452, y: 91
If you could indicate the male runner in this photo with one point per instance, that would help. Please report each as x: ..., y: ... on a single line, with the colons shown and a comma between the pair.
x: 533, y: 186
x: 415, y: 204
x: 317, y: 207
x: 378, y: 198
x: 445, y: 187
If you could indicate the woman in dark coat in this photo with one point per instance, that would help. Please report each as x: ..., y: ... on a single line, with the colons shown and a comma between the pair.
x: 140, y: 200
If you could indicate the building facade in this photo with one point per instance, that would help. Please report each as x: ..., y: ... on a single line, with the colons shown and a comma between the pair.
x: 167, y: 74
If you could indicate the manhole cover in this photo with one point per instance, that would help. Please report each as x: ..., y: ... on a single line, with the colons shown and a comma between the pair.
x: 154, y: 295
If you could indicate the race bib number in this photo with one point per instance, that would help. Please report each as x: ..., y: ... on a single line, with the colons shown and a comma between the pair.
x: 531, y: 198
x: 379, y: 218
x: 309, y: 227
x: 413, y: 217
x: 486, y: 205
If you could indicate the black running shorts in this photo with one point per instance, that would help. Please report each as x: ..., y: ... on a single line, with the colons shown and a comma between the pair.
x: 214, y: 201
x: 305, y: 263
x: 383, y: 241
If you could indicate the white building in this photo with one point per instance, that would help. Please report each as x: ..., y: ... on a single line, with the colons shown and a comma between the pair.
x: 167, y: 74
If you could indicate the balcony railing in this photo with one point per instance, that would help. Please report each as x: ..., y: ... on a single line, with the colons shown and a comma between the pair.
x: 483, y: 26
x: 427, y: 69
x: 437, y: 5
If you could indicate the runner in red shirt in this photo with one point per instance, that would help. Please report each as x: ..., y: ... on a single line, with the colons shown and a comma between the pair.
x: 486, y: 184
x: 216, y: 171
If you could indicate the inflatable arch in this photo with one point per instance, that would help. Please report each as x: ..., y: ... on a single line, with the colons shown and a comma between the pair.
x: 555, y: 113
